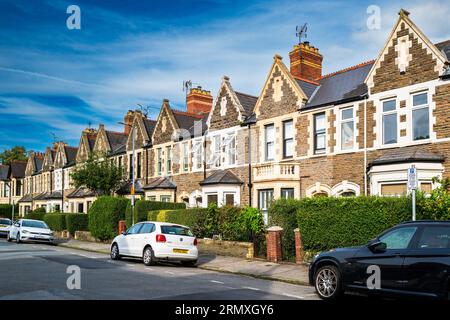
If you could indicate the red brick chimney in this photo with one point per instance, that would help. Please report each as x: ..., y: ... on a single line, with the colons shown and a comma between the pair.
x: 199, y: 101
x: 306, y: 62
x: 128, y: 120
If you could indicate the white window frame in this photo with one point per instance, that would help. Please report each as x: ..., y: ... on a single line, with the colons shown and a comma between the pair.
x: 217, y: 150
x: 168, y: 159
x: 285, y: 139
x: 185, y: 156
x: 414, y: 108
x: 197, y: 154
x: 383, y: 113
x: 159, y: 161
x: 343, y: 121
x: 230, y: 149
x: 316, y: 134
x: 268, y: 142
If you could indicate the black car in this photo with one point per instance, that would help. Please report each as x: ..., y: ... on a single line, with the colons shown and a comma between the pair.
x: 410, y: 259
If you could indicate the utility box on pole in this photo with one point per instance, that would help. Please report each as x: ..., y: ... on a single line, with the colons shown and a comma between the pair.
x: 412, y: 186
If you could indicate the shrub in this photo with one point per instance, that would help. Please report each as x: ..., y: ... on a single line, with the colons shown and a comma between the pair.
x: 55, y: 221
x: 328, y: 223
x: 283, y: 213
x: 6, y: 211
x: 37, y: 214
x: 77, y: 222
x: 232, y: 223
x: 104, y: 216
x: 142, y: 207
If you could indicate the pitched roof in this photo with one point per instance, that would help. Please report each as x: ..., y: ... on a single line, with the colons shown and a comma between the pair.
x: 186, y: 120
x: 18, y: 169
x: 149, y: 126
x: 91, y: 141
x: 407, y: 154
x: 338, y: 87
x: 81, y: 192
x: 160, y: 183
x: 308, y: 87
x: 247, y: 101
x: 38, y: 161
x: 444, y: 46
x: 116, y: 140
x: 221, y: 177
x: 56, y: 195
x: 4, y: 172
x: 126, y: 188
x: 71, y: 154
x: 26, y: 198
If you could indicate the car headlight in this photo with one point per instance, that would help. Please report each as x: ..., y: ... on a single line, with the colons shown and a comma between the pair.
x: 50, y: 233
x: 25, y: 231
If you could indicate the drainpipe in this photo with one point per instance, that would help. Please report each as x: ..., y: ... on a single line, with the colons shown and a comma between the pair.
x: 365, y: 145
x: 146, y: 165
x: 204, y: 157
x: 62, y: 191
x: 250, y: 165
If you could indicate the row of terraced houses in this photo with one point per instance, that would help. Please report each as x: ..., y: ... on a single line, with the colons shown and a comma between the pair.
x: 351, y: 132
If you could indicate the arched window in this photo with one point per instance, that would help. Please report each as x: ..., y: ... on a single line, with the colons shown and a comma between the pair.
x: 345, y: 189
x: 318, y: 190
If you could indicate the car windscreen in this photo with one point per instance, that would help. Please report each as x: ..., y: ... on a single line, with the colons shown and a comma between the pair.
x: 176, y: 230
x: 34, y: 224
x: 5, y: 222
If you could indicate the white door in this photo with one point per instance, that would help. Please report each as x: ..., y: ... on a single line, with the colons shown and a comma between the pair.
x: 14, y: 229
x: 143, y: 238
x: 129, y: 240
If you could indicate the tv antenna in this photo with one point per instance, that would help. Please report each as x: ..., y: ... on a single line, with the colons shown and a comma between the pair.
x: 55, y: 138
x: 301, y: 32
x: 144, y: 109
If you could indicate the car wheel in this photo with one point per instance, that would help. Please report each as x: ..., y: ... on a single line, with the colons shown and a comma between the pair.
x: 327, y: 282
x: 148, y: 257
x: 189, y: 264
x: 115, y: 252
x: 18, y: 237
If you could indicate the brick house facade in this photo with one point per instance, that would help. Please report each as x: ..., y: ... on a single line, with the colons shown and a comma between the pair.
x: 351, y: 132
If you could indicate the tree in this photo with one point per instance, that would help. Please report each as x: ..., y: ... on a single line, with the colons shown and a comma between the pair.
x: 99, y: 175
x: 15, y: 153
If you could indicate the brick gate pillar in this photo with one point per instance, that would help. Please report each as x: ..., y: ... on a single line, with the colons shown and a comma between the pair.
x: 273, y: 237
x: 122, y: 226
x: 298, y: 246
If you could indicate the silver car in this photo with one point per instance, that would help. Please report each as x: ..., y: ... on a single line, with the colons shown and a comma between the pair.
x: 5, y: 224
x: 30, y: 230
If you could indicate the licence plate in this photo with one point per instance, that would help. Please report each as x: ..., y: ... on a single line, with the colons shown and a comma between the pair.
x: 39, y: 236
x: 180, y: 251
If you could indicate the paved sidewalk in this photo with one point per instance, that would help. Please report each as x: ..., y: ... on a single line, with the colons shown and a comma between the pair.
x: 258, y: 268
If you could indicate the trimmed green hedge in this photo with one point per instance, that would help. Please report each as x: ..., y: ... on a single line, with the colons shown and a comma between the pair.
x: 231, y: 223
x: 104, y: 216
x: 328, y: 223
x: 37, y: 214
x: 77, y: 222
x: 55, y: 221
x: 142, y: 207
x: 6, y: 211
x: 283, y: 213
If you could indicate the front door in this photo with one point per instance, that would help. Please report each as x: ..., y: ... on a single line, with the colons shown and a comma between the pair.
x: 265, y: 197
x: 390, y: 261
x: 427, y: 264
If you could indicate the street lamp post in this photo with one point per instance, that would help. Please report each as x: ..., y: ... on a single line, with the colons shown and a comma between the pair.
x: 133, y: 136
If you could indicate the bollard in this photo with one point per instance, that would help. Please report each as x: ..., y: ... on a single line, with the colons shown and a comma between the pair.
x: 122, y: 226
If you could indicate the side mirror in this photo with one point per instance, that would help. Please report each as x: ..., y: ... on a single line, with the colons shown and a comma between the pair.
x: 124, y: 233
x: 377, y: 246
x: 17, y: 225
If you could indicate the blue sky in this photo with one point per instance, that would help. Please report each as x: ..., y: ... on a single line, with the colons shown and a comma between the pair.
x: 55, y: 81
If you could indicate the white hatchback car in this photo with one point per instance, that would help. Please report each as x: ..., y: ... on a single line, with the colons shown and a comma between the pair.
x: 156, y: 241
x: 30, y: 230
x: 5, y: 224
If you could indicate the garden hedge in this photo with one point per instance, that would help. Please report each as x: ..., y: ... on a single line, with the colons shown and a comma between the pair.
x: 283, y: 213
x: 231, y: 223
x: 6, y: 211
x: 37, y: 214
x: 142, y: 207
x: 55, y: 221
x: 104, y: 216
x: 77, y: 222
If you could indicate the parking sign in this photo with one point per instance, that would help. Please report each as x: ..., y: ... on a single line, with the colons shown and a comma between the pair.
x: 412, y: 178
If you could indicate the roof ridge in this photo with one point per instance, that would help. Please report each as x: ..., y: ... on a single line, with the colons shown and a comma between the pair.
x: 187, y: 114
x: 360, y: 65
x: 307, y: 80
x: 441, y: 42
x: 116, y: 132
x: 246, y: 94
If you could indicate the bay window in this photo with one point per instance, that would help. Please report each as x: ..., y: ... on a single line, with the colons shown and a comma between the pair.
x: 420, y: 116
x: 389, y: 122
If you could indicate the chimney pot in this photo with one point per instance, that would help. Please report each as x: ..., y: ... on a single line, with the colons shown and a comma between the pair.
x: 199, y: 101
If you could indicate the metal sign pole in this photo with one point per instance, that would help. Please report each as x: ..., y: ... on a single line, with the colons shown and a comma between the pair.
x: 414, y: 204
x: 412, y: 185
